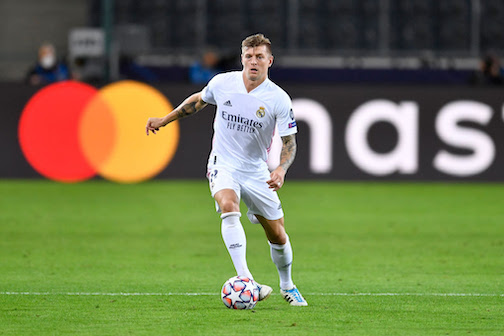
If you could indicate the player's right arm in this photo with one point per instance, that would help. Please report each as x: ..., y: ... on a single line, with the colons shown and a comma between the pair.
x: 190, y: 105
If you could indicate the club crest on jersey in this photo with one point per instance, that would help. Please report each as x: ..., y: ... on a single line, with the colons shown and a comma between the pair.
x: 260, y: 112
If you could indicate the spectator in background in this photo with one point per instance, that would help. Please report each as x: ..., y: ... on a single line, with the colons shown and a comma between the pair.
x: 489, y: 73
x: 204, y: 70
x: 48, y: 68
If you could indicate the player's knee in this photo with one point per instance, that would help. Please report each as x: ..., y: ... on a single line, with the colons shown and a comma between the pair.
x: 229, y: 206
x: 278, y: 235
x: 279, y: 238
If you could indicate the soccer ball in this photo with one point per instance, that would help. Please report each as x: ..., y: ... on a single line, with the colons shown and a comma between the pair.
x: 240, y: 293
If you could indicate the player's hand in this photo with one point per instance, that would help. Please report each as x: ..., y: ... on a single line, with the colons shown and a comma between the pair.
x: 153, y: 125
x: 277, y: 177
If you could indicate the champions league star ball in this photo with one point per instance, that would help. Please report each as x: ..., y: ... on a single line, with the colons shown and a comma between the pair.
x: 240, y: 293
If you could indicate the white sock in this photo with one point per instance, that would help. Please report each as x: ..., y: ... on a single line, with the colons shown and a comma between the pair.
x: 236, y: 242
x: 282, y: 257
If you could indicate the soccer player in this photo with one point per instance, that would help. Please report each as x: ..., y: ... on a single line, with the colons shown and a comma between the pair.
x: 249, y: 106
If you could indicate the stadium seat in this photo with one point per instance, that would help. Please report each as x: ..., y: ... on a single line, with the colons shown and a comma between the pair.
x: 369, y: 34
x: 492, y: 25
x: 322, y: 24
x: 342, y: 33
x: 224, y: 6
x: 454, y: 35
x: 370, y: 7
x: 415, y: 7
x: 453, y: 32
x: 185, y: 5
x: 160, y: 33
x: 265, y: 6
x: 124, y: 12
x: 341, y: 7
x: 225, y: 31
x: 492, y: 6
x: 132, y: 39
x: 309, y: 33
x: 454, y: 8
x: 311, y: 6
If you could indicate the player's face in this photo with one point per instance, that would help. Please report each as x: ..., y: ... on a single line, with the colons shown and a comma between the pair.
x: 256, y: 62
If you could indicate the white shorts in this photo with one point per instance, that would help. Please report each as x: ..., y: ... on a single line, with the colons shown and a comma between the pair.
x: 251, y: 187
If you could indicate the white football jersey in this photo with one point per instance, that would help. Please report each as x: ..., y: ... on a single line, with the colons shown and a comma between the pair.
x: 245, y: 121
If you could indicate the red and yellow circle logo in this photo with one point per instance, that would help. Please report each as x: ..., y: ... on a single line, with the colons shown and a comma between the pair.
x: 70, y: 131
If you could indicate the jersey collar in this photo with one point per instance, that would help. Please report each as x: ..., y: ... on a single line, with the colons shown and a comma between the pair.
x: 257, y: 88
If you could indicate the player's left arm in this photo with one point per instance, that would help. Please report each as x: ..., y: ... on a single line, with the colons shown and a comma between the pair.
x: 289, y: 148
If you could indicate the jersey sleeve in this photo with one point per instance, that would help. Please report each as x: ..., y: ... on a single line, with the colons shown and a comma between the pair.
x: 207, y: 94
x: 286, y: 122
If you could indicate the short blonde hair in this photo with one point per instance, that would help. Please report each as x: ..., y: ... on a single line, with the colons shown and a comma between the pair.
x: 255, y: 41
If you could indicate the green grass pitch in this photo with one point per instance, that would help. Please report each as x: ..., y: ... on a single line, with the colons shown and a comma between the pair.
x: 370, y: 258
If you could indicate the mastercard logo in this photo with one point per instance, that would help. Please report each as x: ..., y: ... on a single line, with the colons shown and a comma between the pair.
x: 71, y: 132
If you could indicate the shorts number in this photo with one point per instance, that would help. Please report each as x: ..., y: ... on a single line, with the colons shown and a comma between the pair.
x: 213, y: 175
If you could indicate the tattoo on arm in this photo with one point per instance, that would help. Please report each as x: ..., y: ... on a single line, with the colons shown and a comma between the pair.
x: 190, y: 108
x: 288, y: 153
x: 186, y: 110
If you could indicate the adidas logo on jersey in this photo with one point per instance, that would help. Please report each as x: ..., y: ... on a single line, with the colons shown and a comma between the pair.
x: 228, y: 103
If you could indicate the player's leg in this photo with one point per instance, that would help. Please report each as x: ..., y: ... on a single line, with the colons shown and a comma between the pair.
x: 232, y: 230
x: 280, y: 249
x: 282, y: 256
x: 265, y: 208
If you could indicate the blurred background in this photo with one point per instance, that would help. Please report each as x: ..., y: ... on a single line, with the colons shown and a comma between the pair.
x: 159, y: 40
x: 382, y: 89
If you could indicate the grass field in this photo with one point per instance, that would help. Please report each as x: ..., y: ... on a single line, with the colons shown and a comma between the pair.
x: 98, y: 258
